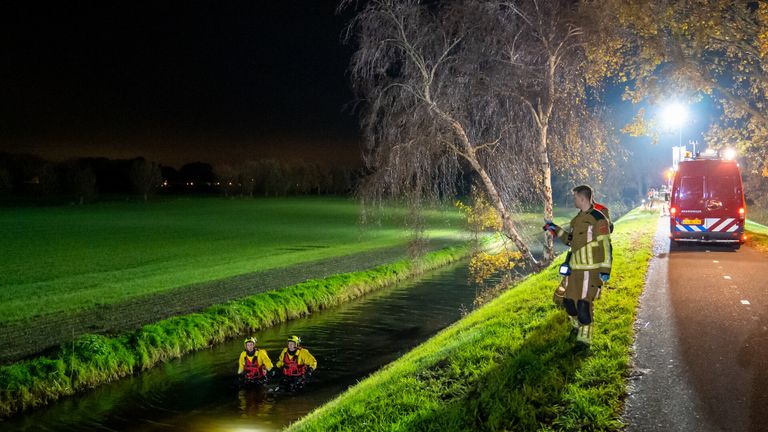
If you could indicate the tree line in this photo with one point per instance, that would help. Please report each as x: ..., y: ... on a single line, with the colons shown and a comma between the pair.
x: 83, y: 180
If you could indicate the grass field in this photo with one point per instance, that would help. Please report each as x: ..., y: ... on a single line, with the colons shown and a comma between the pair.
x: 510, y: 365
x: 63, y: 259
x: 59, y: 259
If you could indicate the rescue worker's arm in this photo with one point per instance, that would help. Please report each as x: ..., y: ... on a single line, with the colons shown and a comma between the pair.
x: 240, y: 363
x: 562, y: 233
x: 604, y: 243
x: 264, y: 360
x: 280, y: 359
x: 308, y: 359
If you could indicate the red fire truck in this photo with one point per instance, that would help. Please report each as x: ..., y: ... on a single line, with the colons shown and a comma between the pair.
x: 707, y: 203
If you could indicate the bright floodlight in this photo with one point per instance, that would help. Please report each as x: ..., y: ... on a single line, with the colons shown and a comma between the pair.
x: 729, y: 154
x: 675, y: 114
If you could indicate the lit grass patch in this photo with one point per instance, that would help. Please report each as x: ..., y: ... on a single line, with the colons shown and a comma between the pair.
x: 95, y: 359
x: 510, y: 365
x: 757, y: 236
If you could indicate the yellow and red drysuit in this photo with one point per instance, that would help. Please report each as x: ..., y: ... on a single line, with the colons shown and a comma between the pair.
x: 254, y: 365
x: 296, y: 363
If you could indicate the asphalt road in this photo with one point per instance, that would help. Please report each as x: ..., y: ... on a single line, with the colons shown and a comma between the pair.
x: 702, y: 341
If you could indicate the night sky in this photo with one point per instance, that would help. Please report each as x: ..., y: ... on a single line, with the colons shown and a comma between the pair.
x: 195, y: 81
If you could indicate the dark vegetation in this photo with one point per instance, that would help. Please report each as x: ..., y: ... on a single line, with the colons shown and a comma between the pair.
x: 28, y: 179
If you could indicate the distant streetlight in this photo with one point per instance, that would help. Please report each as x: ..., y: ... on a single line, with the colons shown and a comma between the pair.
x: 675, y: 115
x: 729, y: 154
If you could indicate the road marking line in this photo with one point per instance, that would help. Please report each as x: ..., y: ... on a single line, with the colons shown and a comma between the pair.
x: 745, y: 302
x: 727, y: 277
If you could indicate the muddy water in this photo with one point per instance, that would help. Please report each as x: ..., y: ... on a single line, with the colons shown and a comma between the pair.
x: 198, y: 392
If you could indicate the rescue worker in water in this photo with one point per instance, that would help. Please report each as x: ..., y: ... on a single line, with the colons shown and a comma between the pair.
x: 296, y: 361
x: 254, y: 363
x: 590, y: 264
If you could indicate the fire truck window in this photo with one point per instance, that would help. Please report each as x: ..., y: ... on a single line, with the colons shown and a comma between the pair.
x: 721, y: 188
x: 691, y: 188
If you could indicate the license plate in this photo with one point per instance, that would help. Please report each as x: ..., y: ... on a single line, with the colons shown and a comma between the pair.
x: 691, y: 221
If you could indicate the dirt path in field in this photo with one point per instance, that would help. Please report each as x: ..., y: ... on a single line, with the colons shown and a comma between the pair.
x: 36, y: 335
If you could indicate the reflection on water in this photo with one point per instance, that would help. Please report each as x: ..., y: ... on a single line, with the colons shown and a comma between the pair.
x: 199, y: 392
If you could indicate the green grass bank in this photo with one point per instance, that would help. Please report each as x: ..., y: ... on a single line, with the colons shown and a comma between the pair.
x: 510, y: 365
x: 92, y: 360
x: 757, y: 236
x: 66, y: 259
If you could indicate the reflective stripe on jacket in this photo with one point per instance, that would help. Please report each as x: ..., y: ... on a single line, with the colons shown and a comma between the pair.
x: 590, y: 240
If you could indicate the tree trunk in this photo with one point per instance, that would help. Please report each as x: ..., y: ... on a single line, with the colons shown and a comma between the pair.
x: 546, y: 172
x: 508, y: 227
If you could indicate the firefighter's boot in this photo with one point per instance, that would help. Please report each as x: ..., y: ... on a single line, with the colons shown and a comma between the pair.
x: 574, y: 322
x: 584, y: 334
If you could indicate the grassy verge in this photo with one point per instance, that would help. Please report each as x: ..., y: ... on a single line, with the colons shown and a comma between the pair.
x: 66, y: 259
x: 757, y: 236
x: 510, y: 365
x: 94, y: 359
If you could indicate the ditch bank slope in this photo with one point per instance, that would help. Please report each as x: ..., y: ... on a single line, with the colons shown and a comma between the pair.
x: 512, y: 364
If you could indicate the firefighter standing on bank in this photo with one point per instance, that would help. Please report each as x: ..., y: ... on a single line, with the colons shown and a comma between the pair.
x: 590, y: 263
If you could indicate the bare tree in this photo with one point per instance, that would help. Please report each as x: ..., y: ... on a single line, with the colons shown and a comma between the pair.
x: 432, y: 106
x: 51, y: 177
x: 275, y: 177
x: 547, y: 71
x: 227, y: 177
x: 146, y: 176
x: 82, y: 182
x: 246, y: 178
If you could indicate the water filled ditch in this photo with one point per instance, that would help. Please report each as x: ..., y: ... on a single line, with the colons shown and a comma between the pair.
x: 198, y: 392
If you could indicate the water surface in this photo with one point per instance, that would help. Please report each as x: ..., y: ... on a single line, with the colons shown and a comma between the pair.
x: 198, y: 392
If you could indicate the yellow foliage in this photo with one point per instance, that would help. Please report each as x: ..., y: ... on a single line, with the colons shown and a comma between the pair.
x: 639, y: 126
x: 481, y: 215
x: 762, y: 37
x: 483, y: 265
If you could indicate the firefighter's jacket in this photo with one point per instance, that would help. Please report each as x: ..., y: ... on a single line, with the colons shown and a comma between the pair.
x: 262, y: 359
x: 590, y: 240
x: 303, y: 356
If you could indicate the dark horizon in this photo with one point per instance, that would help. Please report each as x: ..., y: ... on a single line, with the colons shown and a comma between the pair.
x: 178, y: 83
